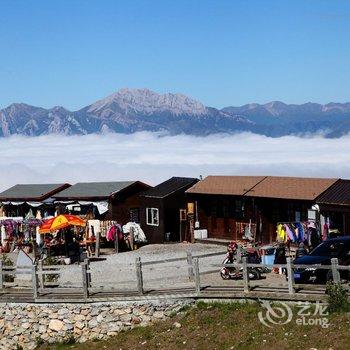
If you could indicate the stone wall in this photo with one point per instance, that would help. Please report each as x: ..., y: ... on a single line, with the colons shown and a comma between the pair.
x: 27, y: 325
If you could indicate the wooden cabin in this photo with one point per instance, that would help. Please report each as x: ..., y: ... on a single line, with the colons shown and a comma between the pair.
x: 160, y: 213
x: 18, y: 200
x: 334, y: 207
x: 226, y: 205
x: 118, y: 200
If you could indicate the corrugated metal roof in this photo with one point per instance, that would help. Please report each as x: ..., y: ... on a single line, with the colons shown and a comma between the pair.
x: 263, y: 186
x: 338, y: 194
x: 226, y: 185
x: 170, y: 186
x: 291, y: 187
x: 31, y: 191
x: 93, y: 189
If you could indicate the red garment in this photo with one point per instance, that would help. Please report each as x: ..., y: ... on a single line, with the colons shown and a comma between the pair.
x: 111, y: 234
x: 325, y: 232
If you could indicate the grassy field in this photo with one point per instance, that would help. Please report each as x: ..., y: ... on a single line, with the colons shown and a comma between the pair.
x: 225, y: 326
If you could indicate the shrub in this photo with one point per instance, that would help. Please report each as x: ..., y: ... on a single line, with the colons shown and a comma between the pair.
x: 337, y: 298
x: 49, y: 261
x: 6, y: 261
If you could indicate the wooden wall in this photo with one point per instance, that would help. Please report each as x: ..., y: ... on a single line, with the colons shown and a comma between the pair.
x: 221, y: 221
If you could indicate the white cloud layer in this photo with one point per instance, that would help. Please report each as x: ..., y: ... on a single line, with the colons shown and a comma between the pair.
x: 152, y: 157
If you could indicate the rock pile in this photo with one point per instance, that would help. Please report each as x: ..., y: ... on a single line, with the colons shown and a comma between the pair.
x: 28, y: 325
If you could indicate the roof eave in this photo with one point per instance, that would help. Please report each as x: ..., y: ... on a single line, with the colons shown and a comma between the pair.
x: 91, y: 198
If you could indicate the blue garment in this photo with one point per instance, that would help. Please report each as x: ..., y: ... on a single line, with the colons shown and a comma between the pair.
x: 300, y: 228
x: 290, y: 233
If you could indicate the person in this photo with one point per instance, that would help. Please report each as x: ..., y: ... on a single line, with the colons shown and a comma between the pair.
x: 314, y: 239
x: 231, y: 251
x: 280, y: 256
x: 301, y: 251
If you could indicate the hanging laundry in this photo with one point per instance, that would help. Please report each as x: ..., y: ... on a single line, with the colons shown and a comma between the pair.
x: 111, y: 234
x: 290, y: 233
x: 281, y: 233
x: 95, y: 227
x: 38, y: 215
x: 115, y: 231
x: 139, y: 235
x: 300, y: 229
x: 245, y: 230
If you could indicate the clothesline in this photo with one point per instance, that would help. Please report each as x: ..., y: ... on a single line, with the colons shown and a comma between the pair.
x: 293, y: 222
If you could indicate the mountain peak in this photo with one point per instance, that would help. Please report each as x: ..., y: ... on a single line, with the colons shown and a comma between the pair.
x: 19, y: 106
x: 276, y: 107
x: 131, y: 110
x: 148, y: 102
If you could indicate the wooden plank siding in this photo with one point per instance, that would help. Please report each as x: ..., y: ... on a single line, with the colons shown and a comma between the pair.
x: 220, y: 214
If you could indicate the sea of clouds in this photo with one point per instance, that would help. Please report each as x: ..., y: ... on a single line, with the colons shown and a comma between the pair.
x: 152, y: 157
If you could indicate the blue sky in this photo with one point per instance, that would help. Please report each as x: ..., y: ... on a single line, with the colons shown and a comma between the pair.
x: 222, y: 53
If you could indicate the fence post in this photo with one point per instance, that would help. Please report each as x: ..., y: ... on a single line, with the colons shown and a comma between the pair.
x: 197, y: 276
x: 131, y: 238
x: 335, y: 272
x: 1, y: 276
x: 35, y: 281
x: 245, y: 275
x: 41, y: 276
x: 290, y: 275
x: 85, y: 280
x: 97, y: 246
x: 139, y: 277
x: 116, y: 243
x: 88, y: 272
x: 190, y: 266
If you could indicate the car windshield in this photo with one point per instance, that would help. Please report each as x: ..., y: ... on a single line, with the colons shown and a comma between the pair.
x: 330, y: 249
x: 322, y: 250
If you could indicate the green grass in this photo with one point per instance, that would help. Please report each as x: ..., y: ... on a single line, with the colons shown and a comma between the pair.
x: 225, y: 326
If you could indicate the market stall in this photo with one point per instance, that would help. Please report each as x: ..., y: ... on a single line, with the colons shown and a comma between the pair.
x: 18, y: 233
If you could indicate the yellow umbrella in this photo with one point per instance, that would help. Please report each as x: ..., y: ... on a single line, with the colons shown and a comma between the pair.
x: 61, y: 221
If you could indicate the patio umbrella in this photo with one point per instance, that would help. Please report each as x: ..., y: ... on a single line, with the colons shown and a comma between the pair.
x: 61, y: 221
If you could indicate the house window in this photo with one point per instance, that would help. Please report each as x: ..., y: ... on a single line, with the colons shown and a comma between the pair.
x: 152, y: 216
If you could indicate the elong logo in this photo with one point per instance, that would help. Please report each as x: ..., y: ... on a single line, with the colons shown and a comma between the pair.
x: 280, y: 313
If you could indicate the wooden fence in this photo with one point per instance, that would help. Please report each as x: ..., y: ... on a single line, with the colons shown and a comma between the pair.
x: 40, y: 287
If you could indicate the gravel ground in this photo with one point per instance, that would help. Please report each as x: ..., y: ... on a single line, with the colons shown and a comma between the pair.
x: 118, y: 270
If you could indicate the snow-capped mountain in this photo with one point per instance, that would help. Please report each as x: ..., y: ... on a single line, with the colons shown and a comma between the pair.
x: 133, y: 101
x: 126, y: 111
x: 131, y: 110
x: 277, y: 118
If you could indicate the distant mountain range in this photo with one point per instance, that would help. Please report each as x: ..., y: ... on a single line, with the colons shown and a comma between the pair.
x: 132, y: 110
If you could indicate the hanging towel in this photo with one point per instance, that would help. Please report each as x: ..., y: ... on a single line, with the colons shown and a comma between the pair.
x: 281, y: 233
x: 301, y: 233
x: 95, y: 227
x: 290, y: 234
x: 111, y: 234
x: 139, y: 235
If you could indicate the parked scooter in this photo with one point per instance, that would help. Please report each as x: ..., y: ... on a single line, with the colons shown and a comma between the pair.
x: 233, y: 272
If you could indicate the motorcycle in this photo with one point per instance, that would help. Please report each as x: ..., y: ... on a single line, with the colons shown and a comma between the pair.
x: 233, y: 272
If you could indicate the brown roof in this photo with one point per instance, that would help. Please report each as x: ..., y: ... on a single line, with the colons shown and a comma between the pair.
x: 338, y: 194
x: 263, y: 186
x: 291, y: 187
x: 229, y: 185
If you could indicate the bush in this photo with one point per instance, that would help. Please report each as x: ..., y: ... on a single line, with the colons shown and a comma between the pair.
x: 49, y: 261
x: 6, y: 261
x: 337, y: 298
